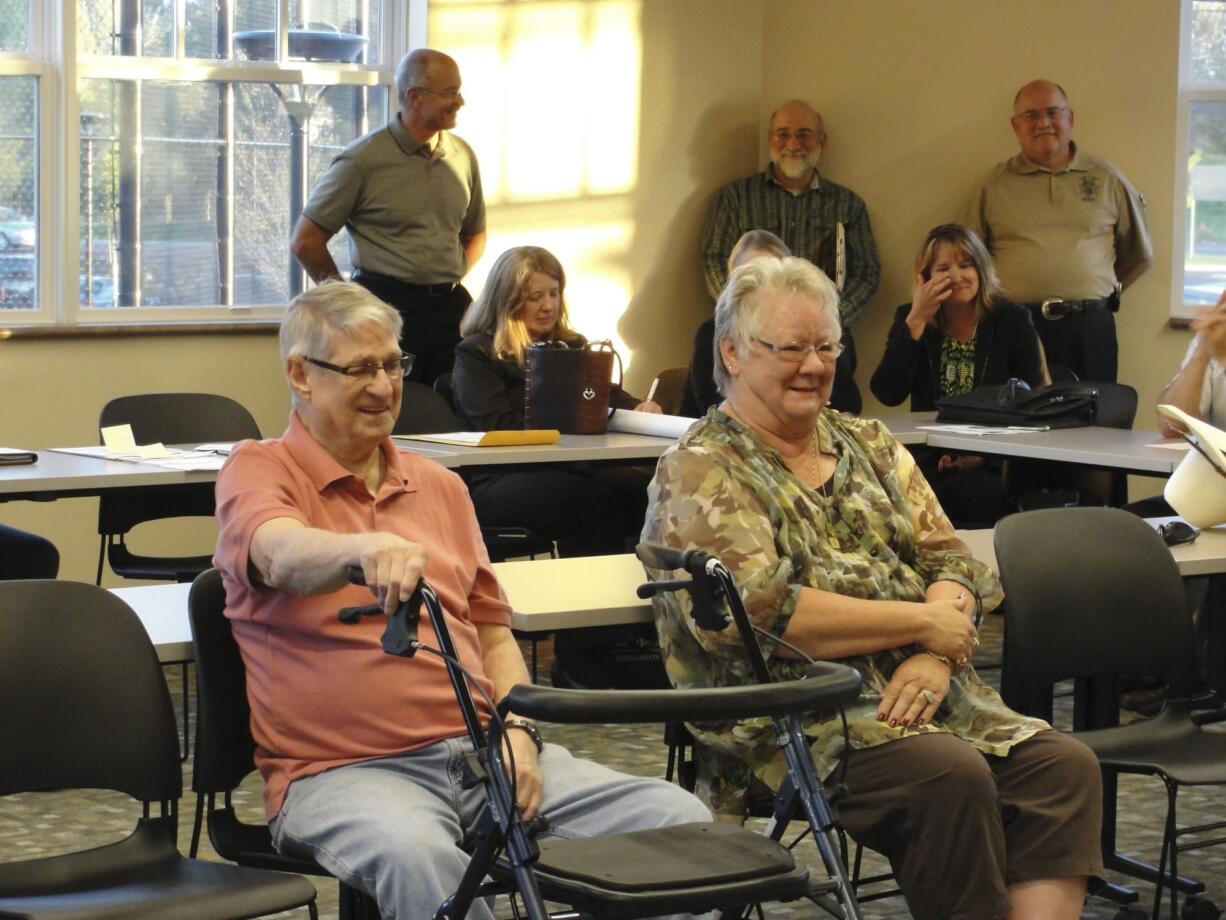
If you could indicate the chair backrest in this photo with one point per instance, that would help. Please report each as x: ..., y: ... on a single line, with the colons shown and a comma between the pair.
x: 442, y: 386
x: 225, y: 749
x: 423, y: 411
x: 1089, y: 592
x: 169, y: 418
x: 83, y: 703
x: 180, y: 418
x: 670, y: 388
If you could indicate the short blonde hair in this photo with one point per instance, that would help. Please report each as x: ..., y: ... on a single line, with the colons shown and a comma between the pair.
x: 736, y: 311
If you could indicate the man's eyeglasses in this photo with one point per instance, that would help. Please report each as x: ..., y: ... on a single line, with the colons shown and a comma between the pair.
x: 1031, y: 116
x: 397, y: 368
x: 445, y: 93
x: 796, y: 352
x: 804, y: 135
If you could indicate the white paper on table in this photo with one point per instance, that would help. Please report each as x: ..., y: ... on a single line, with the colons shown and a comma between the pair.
x: 980, y: 430
x: 650, y: 423
x: 1173, y: 444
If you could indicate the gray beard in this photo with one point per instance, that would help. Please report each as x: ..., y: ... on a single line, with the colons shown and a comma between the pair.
x: 795, y: 167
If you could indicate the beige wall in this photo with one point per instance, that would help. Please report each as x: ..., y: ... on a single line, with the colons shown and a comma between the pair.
x: 916, y: 98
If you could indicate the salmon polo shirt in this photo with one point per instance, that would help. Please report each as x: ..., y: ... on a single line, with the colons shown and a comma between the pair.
x: 322, y: 693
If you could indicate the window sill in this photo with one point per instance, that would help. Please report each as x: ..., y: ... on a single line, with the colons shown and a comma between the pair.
x: 98, y: 330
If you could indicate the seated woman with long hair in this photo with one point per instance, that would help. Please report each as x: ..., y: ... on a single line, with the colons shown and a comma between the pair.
x: 957, y: 333
x: 523, y: 302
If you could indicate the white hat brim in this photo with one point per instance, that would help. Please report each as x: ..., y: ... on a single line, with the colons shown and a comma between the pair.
x: 1197, y: 488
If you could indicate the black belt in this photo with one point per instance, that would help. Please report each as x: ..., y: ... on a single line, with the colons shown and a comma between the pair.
x: 442, y: 289
x: 1059, y: 308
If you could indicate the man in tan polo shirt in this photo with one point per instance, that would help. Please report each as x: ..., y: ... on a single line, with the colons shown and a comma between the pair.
x: 1067, y: 231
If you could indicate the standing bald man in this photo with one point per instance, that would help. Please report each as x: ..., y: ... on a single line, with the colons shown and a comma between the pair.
x: 1068, y: 233
x: 818, y: 220
x: 410, y: 195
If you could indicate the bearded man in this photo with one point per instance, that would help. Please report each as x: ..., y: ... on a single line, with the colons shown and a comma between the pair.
x: 817, y: 219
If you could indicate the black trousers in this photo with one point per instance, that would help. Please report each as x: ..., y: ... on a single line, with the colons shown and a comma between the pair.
x: 431, y: 321
x: 1085, y: 342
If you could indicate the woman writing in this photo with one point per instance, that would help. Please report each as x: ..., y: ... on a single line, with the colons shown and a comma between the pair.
x: 523, y: 302
x: 841, y: 550
x: 958, y: 333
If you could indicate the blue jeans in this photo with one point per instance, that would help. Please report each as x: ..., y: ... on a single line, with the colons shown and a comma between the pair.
x: 392, y: 826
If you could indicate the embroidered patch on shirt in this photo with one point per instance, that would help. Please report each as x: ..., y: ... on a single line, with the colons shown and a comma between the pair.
x: 1089, y: 186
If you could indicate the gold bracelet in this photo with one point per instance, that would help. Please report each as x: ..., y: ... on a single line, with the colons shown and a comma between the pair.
x: 955, y: 667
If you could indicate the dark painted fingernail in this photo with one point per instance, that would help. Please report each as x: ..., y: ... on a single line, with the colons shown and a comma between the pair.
x: 893, y: 723
x: 919, y: 722
x: 905, y: 722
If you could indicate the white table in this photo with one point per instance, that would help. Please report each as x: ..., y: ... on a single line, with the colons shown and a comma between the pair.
x: 58, y: 475
x: 162, y: 610
x: 545, y: 594
x: 1205, y: 556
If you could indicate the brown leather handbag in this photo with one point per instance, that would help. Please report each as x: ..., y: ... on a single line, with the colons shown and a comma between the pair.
x: 567, y: 387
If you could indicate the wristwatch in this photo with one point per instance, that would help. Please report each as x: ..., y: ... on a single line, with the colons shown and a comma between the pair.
x: 529, y: 728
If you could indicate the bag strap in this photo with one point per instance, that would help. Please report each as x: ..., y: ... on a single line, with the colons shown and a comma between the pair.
x: 607, y: 345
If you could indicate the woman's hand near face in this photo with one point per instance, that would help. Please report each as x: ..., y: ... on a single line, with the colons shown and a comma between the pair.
x: 925, y: 302
x: 915, y: 692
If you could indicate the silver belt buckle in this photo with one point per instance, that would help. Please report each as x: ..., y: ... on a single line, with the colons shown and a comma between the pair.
x: 1046, y: 312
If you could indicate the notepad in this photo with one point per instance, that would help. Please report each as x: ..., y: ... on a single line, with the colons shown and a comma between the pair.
x: 12, y: 456
x: 506, y: 438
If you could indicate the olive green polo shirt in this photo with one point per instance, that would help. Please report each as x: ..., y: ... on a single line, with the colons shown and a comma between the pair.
x: 407, y: 208
x: 1060, y: 234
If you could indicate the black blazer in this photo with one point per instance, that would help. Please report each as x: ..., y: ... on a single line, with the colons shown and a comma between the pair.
x: 488, y: 392
x: 1006, y: 345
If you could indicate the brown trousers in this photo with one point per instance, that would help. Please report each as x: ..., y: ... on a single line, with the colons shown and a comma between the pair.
x: 959, y: 827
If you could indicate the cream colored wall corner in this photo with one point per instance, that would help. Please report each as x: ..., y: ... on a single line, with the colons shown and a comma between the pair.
x: 603, y: 128
x: 917, y: 99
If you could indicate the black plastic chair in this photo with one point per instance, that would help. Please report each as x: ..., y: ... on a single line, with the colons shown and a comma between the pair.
x: 84, y: 706
x: 225, y: 750
x: 26, y: 555
x: 169, y: 418
x: 683, y: 868
x: 1093, y: 593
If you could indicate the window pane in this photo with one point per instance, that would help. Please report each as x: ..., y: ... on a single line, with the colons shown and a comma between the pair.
x: 321, y: 30
x: 1207, y: 60
x: 14, y: 25
x: 18, y: 193
x: 1205, y: 266
x: 175, y: 192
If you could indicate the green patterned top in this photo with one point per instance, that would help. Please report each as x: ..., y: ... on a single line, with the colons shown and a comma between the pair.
x: 957, y: 365
x: 881, y: 536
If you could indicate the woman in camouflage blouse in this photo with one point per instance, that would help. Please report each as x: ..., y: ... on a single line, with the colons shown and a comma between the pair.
x: 841, y: 549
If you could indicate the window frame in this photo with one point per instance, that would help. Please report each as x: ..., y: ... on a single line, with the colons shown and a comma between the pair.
x: 51, y: 57
x: 1190, y: 91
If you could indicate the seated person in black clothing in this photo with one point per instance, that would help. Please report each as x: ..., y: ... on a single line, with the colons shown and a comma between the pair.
x: 26, y: 555
x: 587, y: 513
x: 957, y: 333
x: 702, y: 394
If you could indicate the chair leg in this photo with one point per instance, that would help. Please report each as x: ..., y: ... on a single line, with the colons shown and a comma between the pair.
x: 1167, y: 857
x: 101, y: 561
x: 187, y: 712
x: 197, y: 826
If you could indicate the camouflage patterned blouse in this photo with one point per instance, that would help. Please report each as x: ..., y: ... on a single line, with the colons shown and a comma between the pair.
x: 881, y: 536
